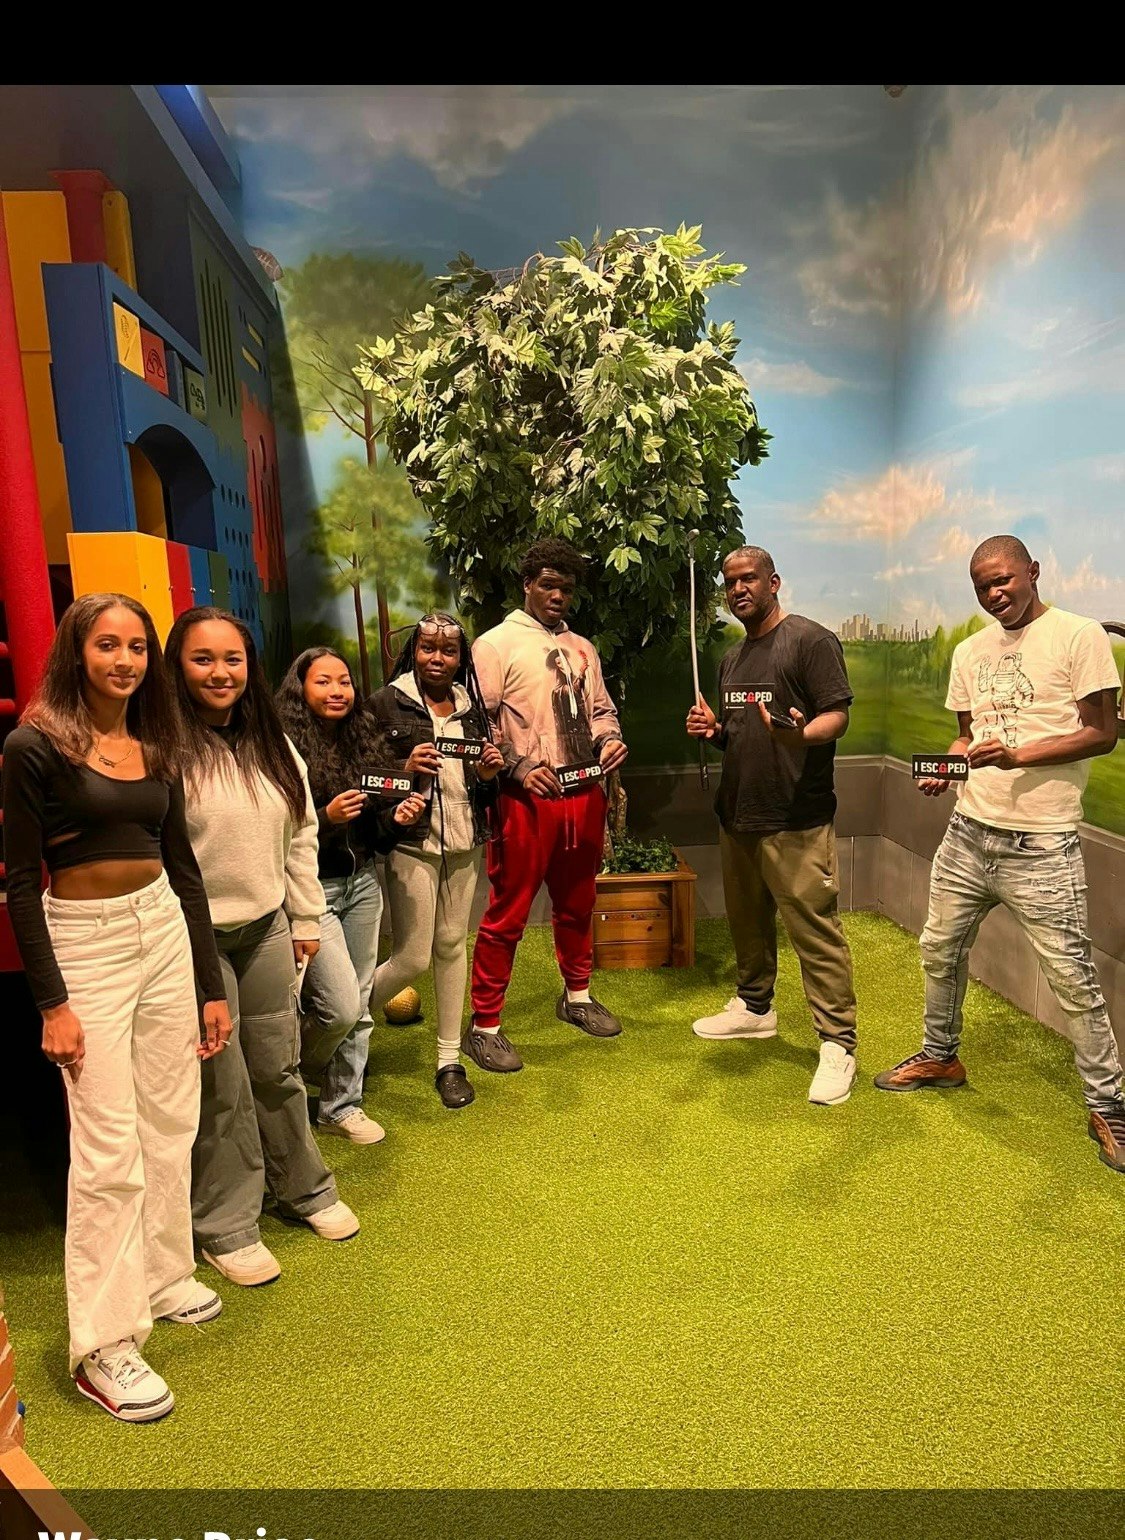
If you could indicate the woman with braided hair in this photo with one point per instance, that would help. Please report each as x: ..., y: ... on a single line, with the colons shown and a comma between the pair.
x: 433, y: 721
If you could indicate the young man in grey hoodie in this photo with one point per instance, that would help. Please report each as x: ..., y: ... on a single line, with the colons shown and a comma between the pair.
x: 543, y: 687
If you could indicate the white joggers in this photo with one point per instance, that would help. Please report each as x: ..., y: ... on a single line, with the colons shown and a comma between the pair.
x: 134, y: 1111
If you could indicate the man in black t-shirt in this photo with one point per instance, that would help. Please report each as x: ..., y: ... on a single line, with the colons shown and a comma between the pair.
x: 784, y: 698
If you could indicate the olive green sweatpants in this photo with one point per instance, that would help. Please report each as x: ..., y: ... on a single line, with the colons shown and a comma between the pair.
x: 794, y: 873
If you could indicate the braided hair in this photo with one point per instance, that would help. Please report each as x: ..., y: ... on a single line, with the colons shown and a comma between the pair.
x: 466, y: 674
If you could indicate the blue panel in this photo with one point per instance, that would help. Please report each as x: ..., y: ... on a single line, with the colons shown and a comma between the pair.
x: 234, y: 538
x: 200, y: 562
x: 196, y: 120
x: 84, y: 370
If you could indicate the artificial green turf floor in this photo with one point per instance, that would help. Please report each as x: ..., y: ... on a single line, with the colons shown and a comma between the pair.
x: 650, y: 1262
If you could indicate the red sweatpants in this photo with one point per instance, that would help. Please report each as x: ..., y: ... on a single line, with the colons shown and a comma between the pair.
x: 556, y: 840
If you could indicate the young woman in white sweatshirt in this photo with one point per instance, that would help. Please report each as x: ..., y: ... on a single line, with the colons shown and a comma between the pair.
x: 252, y: 826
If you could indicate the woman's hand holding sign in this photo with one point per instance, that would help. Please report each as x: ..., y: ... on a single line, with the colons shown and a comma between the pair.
x: 345, y: 807
x: 491, y: 762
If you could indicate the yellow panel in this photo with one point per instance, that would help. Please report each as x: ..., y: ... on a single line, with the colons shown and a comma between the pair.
x: 129, y: 349
x: 50, y: 467
x: 126, y: 563
x: 251, y: 360
x: 156, y: 583
x: 148, y: 494
x: 119, y: 236
x: 105, y: 563
x: 35, y: 223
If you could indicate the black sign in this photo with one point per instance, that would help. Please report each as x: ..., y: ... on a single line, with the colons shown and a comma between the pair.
x: 738, y: 696
x: 391, y: 785
x: 939, y: 767
x: 576, y: 777
x: 460, y: 748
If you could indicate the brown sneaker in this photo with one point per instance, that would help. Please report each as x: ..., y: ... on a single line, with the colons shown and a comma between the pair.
x: 920, y: 1071
x: 491, y: 1050
x: 591, y: 1015
x: 1108, y: 1129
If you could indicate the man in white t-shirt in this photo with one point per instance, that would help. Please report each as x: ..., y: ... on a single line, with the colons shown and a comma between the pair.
x: 1035, y: 697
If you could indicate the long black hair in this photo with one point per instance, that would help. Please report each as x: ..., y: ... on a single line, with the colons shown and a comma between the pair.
x: 59, y: 710
x: 257, y: 743
x: 465, y: 675
x: 337, y: 754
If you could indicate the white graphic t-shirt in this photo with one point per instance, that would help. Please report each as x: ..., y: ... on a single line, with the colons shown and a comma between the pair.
x: 1021, y: 687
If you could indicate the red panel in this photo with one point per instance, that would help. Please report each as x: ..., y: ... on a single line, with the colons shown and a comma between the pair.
x: 179, y: 571
x: 156, y: 369
x: 264, y: 486
x: 84, y: 217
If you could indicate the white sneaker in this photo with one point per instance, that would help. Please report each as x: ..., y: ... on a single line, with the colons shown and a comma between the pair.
x: 357, y: 1127
x: 736, y: 1019
x: 199, y: 1304
x: 334, y: 1223
x: 249, y: 1265
x: 118, y: 1379
x: 832, y: 1083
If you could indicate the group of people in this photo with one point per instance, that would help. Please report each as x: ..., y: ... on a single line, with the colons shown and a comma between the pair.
x: 208, y: 946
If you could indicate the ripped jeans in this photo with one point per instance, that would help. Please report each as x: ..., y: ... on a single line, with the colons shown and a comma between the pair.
x: 1041, y: 879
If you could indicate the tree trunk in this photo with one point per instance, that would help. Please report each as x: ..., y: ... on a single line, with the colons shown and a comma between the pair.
x: 386, y: 660
x: 361, y: 636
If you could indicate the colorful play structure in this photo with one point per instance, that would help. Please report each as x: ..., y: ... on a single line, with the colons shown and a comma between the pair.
x: 137, y: 443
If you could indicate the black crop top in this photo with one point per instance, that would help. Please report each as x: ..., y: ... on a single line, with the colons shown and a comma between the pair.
x: 69, y: 815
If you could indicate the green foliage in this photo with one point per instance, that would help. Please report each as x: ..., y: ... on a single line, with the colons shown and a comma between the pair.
x: 332, y: 303
x: 589, y: 398
x: 366, y: 532
x: 634, y: 855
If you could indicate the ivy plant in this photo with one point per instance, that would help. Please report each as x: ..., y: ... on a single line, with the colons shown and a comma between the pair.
x: 584, y: 395
x: 630, y: 854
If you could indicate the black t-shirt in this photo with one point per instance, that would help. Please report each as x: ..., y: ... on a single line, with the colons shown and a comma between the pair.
x: 766, y: 785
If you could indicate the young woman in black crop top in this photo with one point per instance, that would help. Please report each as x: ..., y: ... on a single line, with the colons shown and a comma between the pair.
x: 115, y: 952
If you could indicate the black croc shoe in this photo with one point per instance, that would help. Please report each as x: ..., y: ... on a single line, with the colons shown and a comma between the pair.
x: 453, y: 1086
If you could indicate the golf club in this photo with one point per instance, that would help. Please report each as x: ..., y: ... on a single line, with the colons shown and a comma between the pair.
x: 704, y: 774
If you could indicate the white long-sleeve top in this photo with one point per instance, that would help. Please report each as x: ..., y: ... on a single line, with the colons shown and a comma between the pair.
x: 252, y: 858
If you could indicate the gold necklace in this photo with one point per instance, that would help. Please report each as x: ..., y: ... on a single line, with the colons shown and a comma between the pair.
x: 113, y: 763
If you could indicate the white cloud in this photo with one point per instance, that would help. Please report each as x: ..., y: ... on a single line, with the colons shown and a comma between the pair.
x: 464, y: 134
x: 1084, y: 579
x: 795, y: 379
x: 884, y: 507
x: 1070, y: 372
x: 1002, y: 182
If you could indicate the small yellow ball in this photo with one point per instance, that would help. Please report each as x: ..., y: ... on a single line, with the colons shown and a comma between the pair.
x: 404, y: 1007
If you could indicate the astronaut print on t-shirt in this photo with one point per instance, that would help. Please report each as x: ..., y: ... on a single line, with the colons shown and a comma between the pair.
x: 1010, y: 691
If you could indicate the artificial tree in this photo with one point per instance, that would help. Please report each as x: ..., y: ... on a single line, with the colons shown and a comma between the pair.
x: 586, y: 396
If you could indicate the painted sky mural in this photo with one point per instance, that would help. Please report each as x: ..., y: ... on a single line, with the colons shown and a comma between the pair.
x: 931, y: 319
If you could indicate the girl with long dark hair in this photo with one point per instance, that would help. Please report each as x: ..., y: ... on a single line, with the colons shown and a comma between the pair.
x: 253, y: 828
x: 433, y: 719
x: 342, y: 748
x: 114, y: 951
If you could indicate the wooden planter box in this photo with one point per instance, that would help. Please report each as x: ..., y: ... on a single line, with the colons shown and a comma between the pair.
x: 645, y: 919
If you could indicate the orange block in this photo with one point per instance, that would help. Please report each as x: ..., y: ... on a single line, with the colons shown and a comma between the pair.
x: 128, y: 330
x: 119, y: 236
x: 35, y: 225
x: 128, y: 563
x: 50, y: 467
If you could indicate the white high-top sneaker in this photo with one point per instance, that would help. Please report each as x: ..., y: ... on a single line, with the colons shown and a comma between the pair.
x: 118, y: 1379
x: 832, y: 1083
x: 736, y: 1019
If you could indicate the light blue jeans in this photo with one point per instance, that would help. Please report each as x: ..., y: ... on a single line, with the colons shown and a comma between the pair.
x: 1041, y: 879
x: 335, y: 1000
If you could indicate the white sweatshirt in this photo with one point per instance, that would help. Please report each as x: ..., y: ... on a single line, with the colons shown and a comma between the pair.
x: 252, y: 859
